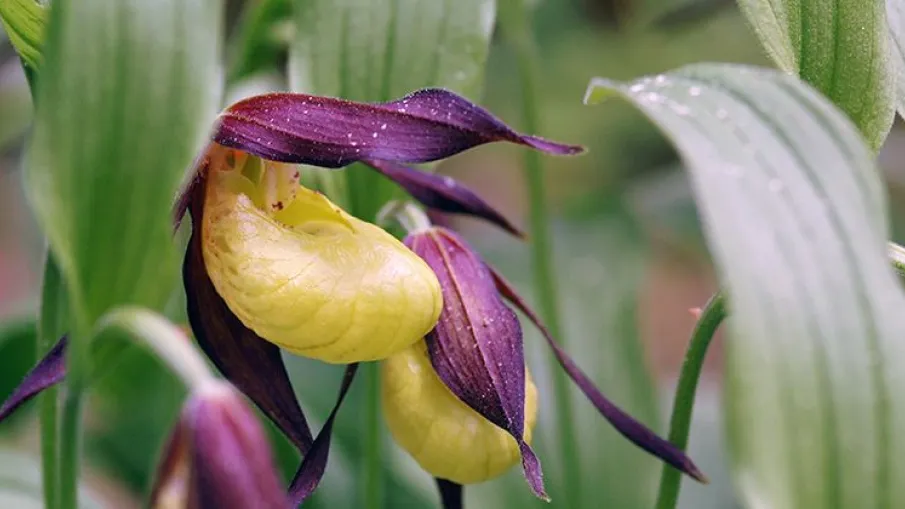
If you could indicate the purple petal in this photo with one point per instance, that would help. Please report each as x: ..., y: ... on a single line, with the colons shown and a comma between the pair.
x: 248, y: 361
x: 476, y: 347
x: 637, y: 433
x: 442, y: 193
x: 426, y: 125
x: 315, y: 463
x: 48, y: 372
x: 450, y: 494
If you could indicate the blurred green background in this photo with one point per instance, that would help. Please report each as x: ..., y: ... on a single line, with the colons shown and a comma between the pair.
x: 629, y: 251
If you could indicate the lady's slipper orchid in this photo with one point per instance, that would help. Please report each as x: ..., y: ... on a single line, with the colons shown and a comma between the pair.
x: 271, y: 264
x: 471, y: 366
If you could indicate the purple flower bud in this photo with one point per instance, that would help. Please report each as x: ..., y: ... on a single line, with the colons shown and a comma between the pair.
x: 218, y: 456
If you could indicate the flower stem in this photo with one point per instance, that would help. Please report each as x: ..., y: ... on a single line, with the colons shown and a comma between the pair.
x: 365, y: 199
x: 516, y: 23
x: 683, y: 406
x: 51, y: 326
x: 78, y: 365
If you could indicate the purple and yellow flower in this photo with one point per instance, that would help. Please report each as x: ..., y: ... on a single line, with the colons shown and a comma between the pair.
x: 272, y: 265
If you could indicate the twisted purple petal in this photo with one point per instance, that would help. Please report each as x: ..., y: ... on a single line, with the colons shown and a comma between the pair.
x: 476, y: 347
x: 426, y: 125
x: 442, y: 193
x: 637, y: 433
x: 450, y: 494
x: 315, y: 463
x: 48, y: 372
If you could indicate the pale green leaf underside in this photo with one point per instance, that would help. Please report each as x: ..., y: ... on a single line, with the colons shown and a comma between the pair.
x: 376, y: 50
x: 838, y: 46
x: 895, y: 18
x: 127, y: 94
x: 795, y: 217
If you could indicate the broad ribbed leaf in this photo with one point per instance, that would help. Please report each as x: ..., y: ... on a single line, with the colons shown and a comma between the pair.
x: 838, y: 46
x: 795, y: 217
x: 370, y: 50
x: 24, y: 22
x: 895, y: 19
x: 376, y: 50
x: 127, y: 92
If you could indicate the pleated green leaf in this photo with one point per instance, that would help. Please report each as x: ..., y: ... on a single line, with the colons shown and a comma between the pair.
x: 126, y: 95
x: 371, y: 50
x: 376, y: 50
x: 24, y: 22
x: 840, y: 47
x: 795, y: 216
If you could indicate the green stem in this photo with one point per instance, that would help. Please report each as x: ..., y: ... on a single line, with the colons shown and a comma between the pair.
x: 365, y: 197
x: 516, y: 23
x: 52, y: 325
x: 71, y: 444
x: 78, y: 364
x: 683, y: 406
x: 372, y: 473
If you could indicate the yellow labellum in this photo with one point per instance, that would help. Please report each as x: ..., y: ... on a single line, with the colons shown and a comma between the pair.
x: 305, y: 275
x: 446, y: 437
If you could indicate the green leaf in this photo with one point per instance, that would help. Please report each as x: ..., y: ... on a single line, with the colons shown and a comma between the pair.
x: 895, y: 18
x: 377, y: 50
x: 125, y: 97
x: 794, y: 211
x: 262, y: 37
x: 840, y: 47
x: 24, y: 22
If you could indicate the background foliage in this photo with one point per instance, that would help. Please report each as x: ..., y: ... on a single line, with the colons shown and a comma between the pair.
x: 631, y: 255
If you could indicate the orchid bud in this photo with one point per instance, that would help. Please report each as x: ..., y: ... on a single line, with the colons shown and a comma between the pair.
x: 218, y: 456
x: 444, y: 435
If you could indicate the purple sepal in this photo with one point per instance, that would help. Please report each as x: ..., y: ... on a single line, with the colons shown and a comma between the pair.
x: 315, y: 462
x: 476, y: 347
x: 248, y: 361
x: 637, y: 433
x: 48, y: 372
x: 442, y: 193
x: 450, y: 494
x: 426, y: 125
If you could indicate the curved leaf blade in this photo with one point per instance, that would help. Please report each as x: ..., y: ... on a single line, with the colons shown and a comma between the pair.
x: 126, y: 93
x: 795, y: 217
x: 374, y: 51
x: 839, y: 47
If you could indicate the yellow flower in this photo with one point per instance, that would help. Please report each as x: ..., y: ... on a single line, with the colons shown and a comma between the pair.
x: 305, y: 275
x: 444, y: 435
